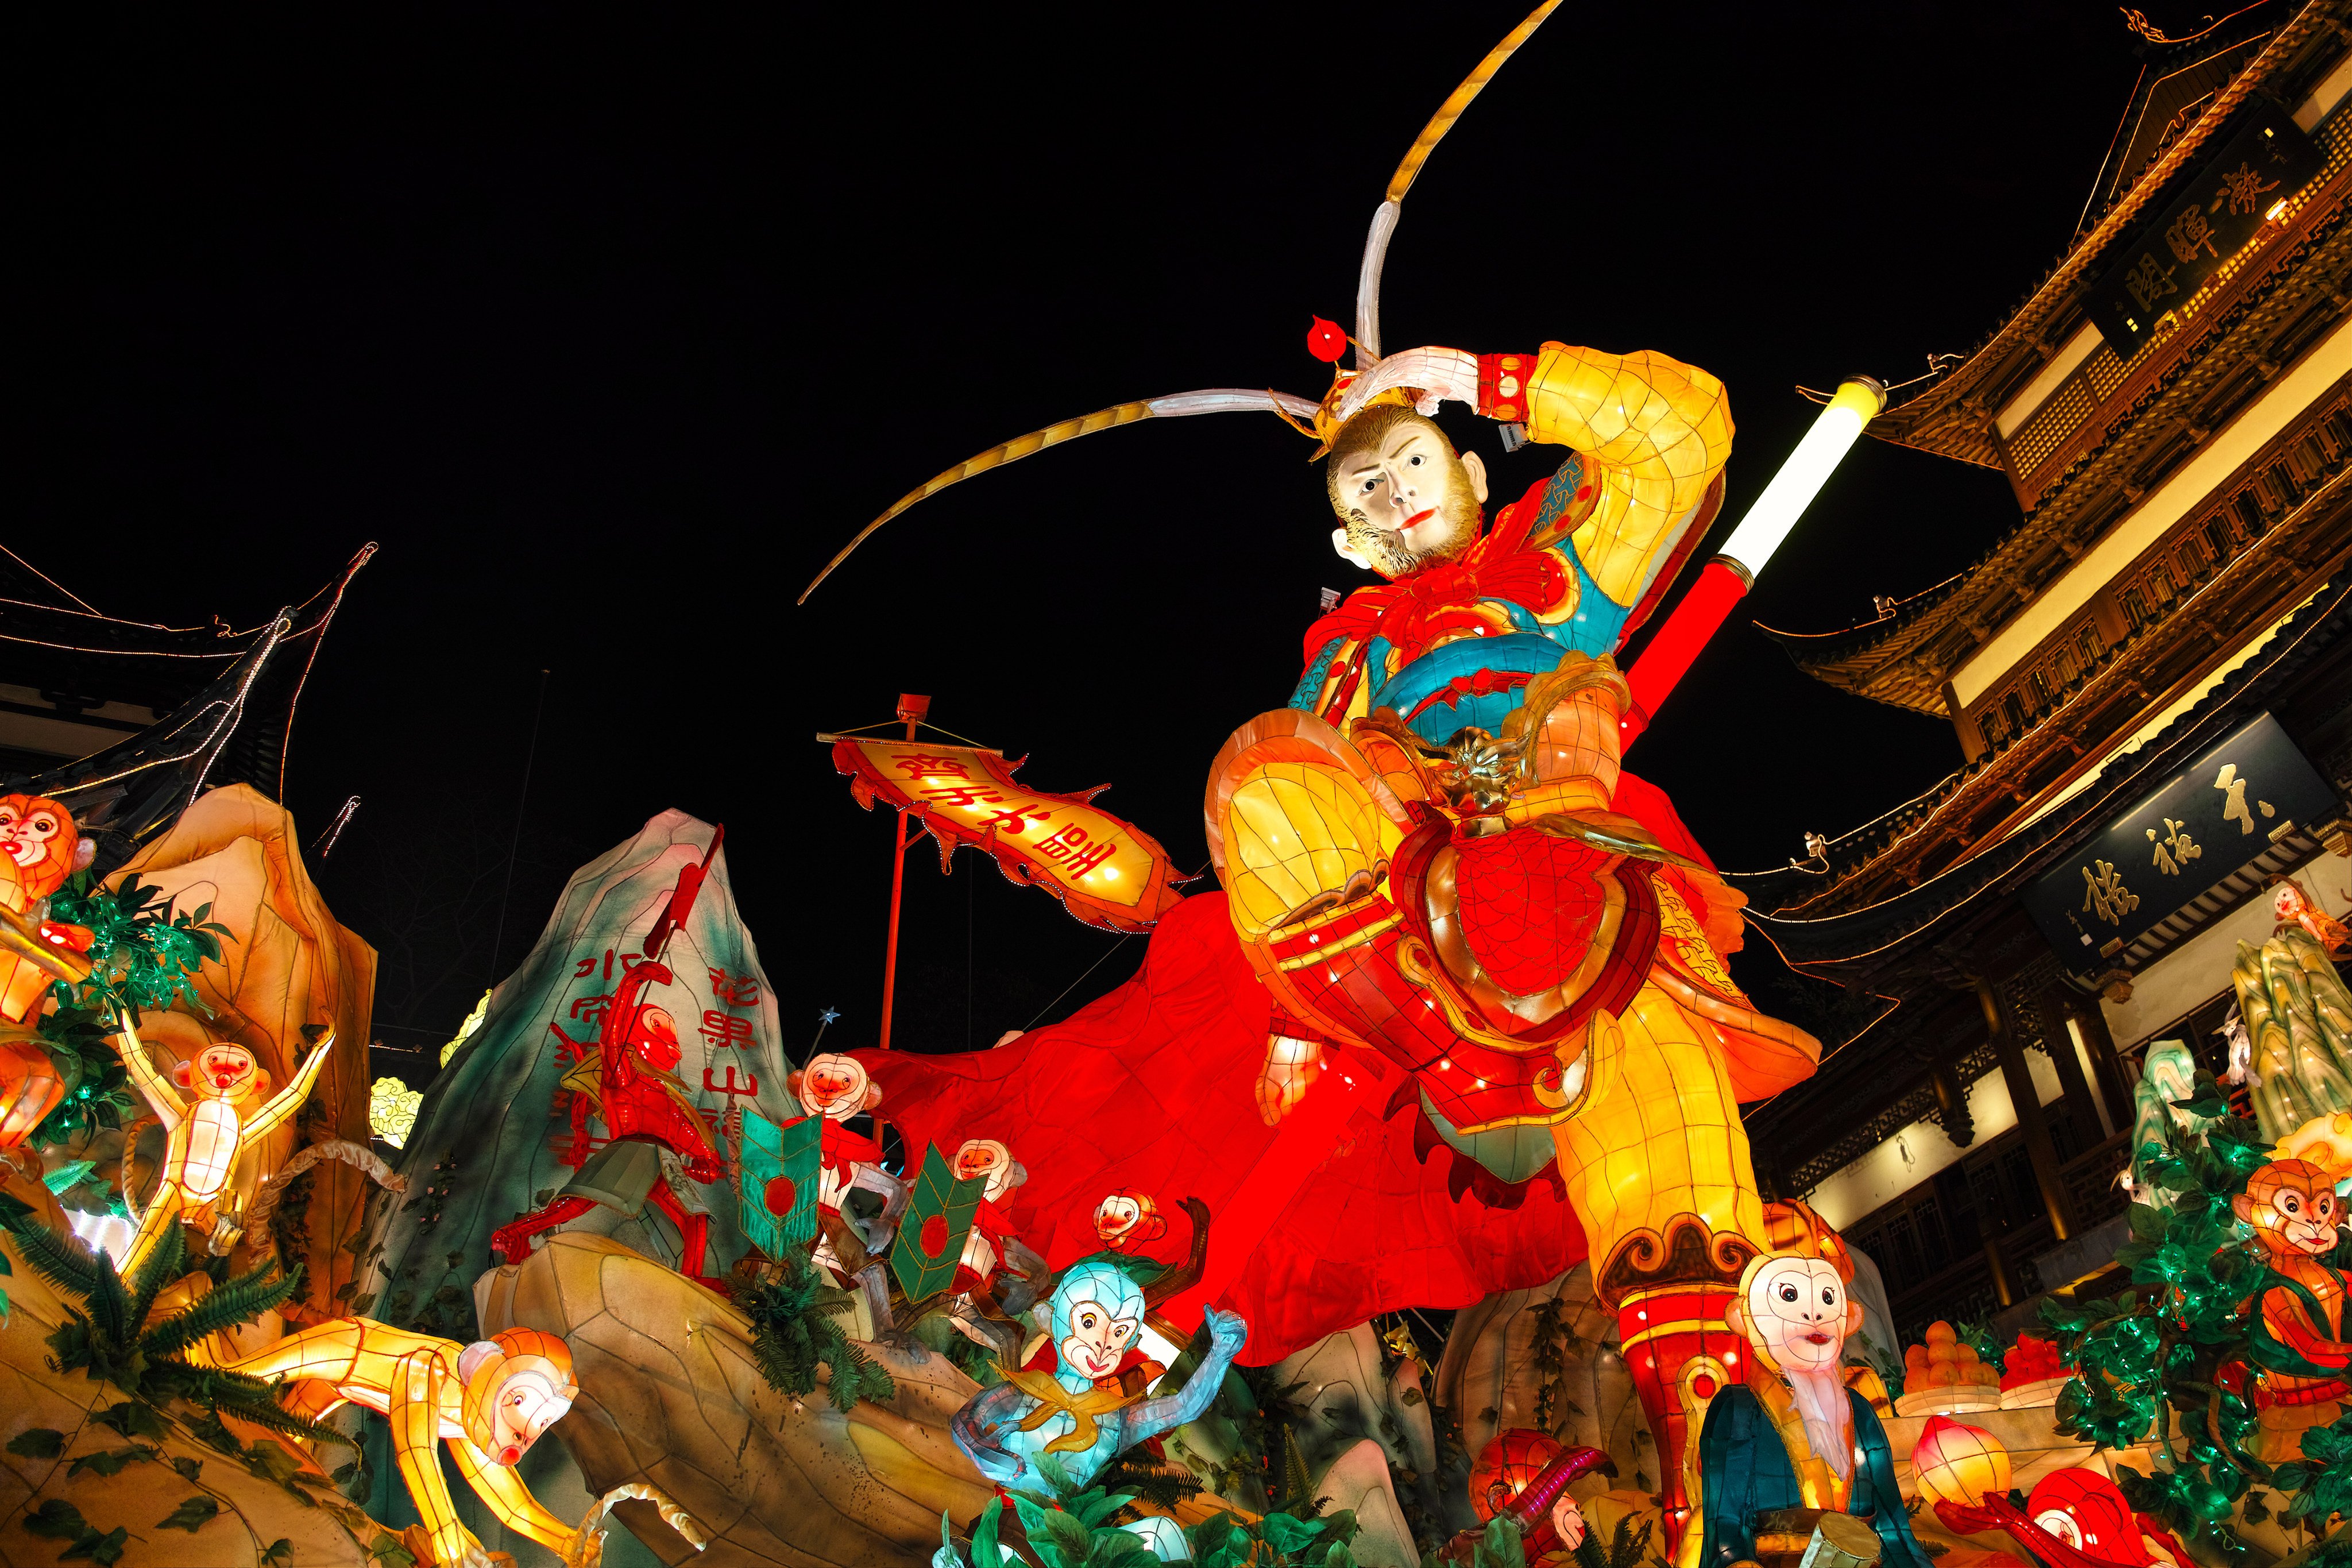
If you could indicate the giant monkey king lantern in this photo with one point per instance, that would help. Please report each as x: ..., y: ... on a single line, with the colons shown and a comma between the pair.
x: 1430, y: 855
x: 1422, y: 853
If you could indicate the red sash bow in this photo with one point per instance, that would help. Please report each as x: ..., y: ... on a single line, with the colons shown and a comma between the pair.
x: 1409, y: 612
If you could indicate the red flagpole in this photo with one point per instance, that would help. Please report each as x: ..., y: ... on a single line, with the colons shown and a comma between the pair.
x: 911, y: 709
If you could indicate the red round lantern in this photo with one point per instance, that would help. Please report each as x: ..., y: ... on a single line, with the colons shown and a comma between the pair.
x: 933, y: 1237
x: 30, y: 1088
x: 1326, y: 341
x: 1505, y: 1465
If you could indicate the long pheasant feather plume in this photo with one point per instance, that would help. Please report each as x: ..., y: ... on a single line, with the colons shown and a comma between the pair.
x: 1236, y: 400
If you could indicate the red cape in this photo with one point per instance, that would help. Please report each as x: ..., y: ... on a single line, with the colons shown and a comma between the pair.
x: 1151, y: 1087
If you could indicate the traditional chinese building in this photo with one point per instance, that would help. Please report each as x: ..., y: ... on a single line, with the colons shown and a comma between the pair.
x: 125, y: 722
x: 2146, y: 677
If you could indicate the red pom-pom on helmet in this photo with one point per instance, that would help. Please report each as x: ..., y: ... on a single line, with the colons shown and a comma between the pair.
x: 1326, y: 341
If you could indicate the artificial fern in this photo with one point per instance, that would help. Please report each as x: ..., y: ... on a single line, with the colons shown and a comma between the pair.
x: 109, y: 1304
x: 58, y: 1261
x: 234, y: 1301
x: 1160, y: 1485
x: 108, y: 1339
x: 163, y: 1264
x: 794, y: 1331
x: 249, y: 1399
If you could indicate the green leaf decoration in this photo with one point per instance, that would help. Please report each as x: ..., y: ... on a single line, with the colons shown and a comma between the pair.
x: 985, y: 1553
x: 56, y: 1520
x: 111, y: 1461
x: 206, y: 1425
x: 191, y: 1516
x: 1070, y: 1537
x: 143, y: 954
x: 104, y: 1550
x: 272, y: 1462
x: 67, y: 1267
x: 132, y: 1419
x: 2164, y: 1355
x: 1288, y: 1534
x: 280, y: 1553
x: 387, y: 1551
x: 189, y: 1469
x: 38, y: 1443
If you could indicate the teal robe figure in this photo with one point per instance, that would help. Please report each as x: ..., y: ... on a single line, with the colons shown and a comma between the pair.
x: 1767, y: 1443
x: 1745, y: 1470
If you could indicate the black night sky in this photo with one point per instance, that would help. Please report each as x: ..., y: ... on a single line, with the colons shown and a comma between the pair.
x: 611, y: 328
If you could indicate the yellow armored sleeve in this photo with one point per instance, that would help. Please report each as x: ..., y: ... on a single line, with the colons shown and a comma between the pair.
x: 1654, y: 431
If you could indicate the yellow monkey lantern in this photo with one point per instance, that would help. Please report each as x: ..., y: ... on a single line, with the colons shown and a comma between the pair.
x: 209, y: 1117
x: 488, y: 1401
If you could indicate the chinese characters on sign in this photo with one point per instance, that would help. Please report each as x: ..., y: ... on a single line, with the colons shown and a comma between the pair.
x: 742, y: 991
x: 1105, y: 871
x: 2233, y: 788
x: 2222, y: 812
x: 2244, y: 189
x: 2189, y: 234
x: 2248, y: 175
x: 2148, y: 282
x: 2175, y: 848
x: 1008, y: 817
x: 2106, y: 894
x: 1069, y: 846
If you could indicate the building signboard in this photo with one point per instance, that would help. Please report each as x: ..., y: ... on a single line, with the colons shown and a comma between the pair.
x: 2261, y: 164
x: 2225, y: 809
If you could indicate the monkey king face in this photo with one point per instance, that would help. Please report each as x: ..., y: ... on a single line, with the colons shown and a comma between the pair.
x: 2292, y: 1207
x: 39, y: 835
x: 1406, y: 499
x: 1796, y: 1312
x: 835, y: 1086
x: 518, y: 1384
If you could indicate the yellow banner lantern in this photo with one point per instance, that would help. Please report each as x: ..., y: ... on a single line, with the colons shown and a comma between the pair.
x: 1105, y: 871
